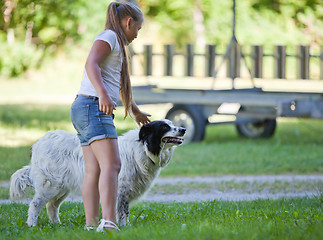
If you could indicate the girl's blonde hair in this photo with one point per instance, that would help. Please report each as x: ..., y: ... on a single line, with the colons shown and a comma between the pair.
x: 115, y: 13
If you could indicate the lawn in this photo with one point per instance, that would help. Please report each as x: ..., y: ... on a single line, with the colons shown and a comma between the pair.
x: 299, y: 218
x: 296, y: 148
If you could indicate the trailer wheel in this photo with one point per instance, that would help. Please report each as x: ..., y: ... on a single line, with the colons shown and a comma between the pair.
x: 262, y: 129
x: 190, y: 117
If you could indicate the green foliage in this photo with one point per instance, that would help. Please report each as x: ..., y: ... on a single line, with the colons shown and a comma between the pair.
x: 258, y: 22
x: 296, y: 218
x: 289, y: 8
x: 92, y: 19
x: 60, y: 16
x: 175, y: 18
x: 33, y: 29
x: 298, y: 18
x: 49, y: 24
x: 16, y: 58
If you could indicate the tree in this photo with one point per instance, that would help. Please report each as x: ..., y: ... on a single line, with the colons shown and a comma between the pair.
x: 29, y: 29
x: 180, y: 20
x: 258, y: 21
x: 307, y: 15
x: 41, y: 22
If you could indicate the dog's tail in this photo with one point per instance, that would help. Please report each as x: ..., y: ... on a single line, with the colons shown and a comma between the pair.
x: 19, y: 181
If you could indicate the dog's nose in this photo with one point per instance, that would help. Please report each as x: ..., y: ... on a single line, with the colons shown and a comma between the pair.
x: 182, y: 130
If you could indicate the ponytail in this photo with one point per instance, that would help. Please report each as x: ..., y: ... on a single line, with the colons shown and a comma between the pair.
x: 115, y: 13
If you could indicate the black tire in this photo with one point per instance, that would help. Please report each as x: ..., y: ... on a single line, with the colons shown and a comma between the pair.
x: 262, y: 129
x: 190, y: 117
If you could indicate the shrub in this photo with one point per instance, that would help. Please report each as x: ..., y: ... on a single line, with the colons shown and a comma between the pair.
x: 16, y: 58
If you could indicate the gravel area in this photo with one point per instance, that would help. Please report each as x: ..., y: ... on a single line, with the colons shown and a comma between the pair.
x: 310, y: 185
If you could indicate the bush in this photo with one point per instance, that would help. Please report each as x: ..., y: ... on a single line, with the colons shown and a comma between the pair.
x: 18, y: 57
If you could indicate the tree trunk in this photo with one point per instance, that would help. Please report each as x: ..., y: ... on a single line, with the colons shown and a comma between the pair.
x: 199, y: 25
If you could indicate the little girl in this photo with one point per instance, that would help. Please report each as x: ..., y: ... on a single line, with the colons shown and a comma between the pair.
x: 106, y: 76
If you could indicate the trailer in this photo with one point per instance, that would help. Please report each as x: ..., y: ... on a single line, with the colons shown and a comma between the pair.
x: 252, y: 110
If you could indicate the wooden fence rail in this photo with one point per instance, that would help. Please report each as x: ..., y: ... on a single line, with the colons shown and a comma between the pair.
x: 256, y: 58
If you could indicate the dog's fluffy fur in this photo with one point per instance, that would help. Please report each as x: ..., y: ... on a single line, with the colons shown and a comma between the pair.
x: 57, y: 167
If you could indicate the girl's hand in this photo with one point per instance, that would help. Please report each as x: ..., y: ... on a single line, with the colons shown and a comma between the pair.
x: 141, y: 117
x: 106, y: 105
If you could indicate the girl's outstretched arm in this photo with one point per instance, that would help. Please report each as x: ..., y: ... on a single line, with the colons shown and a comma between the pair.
x: 140, y: 117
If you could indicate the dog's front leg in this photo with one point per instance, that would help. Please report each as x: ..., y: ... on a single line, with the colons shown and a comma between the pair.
x: 122, y: 209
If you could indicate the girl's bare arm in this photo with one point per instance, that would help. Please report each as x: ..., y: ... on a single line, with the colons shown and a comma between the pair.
x: 140, y: 117
x: 99, y: 52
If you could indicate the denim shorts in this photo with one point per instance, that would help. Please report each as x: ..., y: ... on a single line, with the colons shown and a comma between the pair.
x: 90, y: 123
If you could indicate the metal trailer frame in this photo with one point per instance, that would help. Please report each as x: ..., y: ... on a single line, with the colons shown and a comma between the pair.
x: 255, y: 111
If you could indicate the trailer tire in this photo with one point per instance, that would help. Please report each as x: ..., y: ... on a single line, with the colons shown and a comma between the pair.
x: 190, y: 117
x: 261, y: 129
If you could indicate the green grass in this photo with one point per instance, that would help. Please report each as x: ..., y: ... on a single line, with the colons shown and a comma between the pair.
x: 4, y: 193
x: 299, y: 218
x: 296, y: 148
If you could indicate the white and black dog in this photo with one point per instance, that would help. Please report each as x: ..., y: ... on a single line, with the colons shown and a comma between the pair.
x: 57, y: 167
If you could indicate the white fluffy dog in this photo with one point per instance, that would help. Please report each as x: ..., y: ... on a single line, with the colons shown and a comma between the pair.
x: 57, y: 167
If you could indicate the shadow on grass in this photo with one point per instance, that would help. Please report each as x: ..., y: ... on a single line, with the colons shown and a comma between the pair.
x: 46, y: 117
x: 33, y: 116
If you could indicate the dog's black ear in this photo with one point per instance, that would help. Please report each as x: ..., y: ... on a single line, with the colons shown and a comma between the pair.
x: 144, y: 132
x: 148, y: 136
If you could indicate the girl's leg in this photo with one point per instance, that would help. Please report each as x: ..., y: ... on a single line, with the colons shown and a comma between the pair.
x: 90, y: 190
x: 107, y: 153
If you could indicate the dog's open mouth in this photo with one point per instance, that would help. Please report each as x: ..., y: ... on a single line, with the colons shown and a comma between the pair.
x: 173, y: 140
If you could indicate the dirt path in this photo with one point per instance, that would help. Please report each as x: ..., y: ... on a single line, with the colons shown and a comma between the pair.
x: 235, y: 188
x: 227, y: 188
